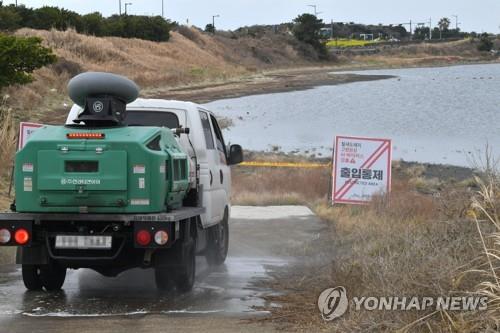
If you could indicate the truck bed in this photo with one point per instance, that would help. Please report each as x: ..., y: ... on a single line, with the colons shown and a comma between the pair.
x: 176, y: 215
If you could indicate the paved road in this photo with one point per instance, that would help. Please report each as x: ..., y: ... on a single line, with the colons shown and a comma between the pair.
x: 261, y: 238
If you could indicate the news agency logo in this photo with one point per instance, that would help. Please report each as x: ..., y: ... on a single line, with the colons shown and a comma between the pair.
x: 98, y: 106
x: 333, y: 303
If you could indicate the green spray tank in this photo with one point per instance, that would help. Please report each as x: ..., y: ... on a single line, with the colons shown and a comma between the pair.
x: 100, y: 165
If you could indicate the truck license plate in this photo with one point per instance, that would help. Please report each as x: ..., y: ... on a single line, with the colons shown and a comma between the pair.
x: 83, y: 242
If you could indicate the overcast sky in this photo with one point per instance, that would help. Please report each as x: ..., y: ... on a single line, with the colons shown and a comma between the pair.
x: 482, y: 15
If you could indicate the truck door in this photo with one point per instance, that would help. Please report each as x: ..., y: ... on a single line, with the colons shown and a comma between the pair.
x: 223, y: 171
x: 211, y: 183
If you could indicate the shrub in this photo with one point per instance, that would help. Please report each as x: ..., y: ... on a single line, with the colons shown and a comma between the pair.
x: 485, y: 43
x: 307, y: 29
x: 19, y: 57
x: 129, y: 26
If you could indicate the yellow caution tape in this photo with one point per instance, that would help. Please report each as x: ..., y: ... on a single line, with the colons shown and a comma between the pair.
x: 285, y: 165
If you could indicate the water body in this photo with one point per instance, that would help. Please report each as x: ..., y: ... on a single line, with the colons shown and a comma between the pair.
x: 439, y: 115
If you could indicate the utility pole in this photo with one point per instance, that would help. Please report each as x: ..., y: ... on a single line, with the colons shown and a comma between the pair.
x: 126, y: 5
x: 162, y: 9
x: 316, y: 13
x: 213, y: 21
x: 430, y: 28
x: 456, y: 22
x: 120, y: 5
x: 411, y: 28
x: 332, y: 31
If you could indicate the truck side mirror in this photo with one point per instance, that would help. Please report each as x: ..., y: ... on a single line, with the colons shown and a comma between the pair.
x: 235, y: 155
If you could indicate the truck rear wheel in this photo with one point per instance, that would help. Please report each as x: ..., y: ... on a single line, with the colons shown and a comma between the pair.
x: 52, y: 276
x: 218, y: 242
x: 185, y: 274
x: 31, y: 277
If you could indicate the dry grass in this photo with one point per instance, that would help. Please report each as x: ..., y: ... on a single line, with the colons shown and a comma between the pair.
x: 486, y: 269
x: 415, y: 241
x: 425, y: 54
x: 189, y: 57
x: 276, y: 186
x: 8, y: 135
x: 8, y: 139
x: 400, y: 245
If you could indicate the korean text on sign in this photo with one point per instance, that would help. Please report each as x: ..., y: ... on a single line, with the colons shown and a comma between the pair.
x: 361, y: 168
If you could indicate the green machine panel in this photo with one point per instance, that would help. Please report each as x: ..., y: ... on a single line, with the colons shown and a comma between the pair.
x: 73, y: 169
x: 82, y: 171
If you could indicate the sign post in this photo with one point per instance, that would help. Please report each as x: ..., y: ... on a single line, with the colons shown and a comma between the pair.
x: 361, y: 168
x: 25, y: 131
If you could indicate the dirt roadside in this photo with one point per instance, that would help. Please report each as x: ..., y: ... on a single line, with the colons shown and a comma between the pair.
x: 263, y: 83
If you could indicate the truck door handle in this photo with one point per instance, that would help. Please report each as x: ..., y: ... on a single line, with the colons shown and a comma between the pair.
x: 211, y: 178
x: 221, y: 176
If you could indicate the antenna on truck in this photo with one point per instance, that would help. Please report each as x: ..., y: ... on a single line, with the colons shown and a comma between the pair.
x: 103, y: 97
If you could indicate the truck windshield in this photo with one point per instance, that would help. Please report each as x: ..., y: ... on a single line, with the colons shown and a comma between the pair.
x: 152, y: 118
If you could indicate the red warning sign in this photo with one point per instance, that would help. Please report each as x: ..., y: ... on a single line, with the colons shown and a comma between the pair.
x: 361, y: 168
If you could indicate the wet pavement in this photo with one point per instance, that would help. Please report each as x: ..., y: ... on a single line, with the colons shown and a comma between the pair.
x: 261, y: 239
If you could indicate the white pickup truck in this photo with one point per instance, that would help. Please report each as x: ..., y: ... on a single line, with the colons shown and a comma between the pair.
x: 204, y: 143
x: 210, y: 178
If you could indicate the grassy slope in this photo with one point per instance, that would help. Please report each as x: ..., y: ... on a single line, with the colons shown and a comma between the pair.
x: 187, y: 58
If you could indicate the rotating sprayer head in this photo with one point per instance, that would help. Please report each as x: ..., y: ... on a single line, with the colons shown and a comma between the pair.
x: 103, y: 97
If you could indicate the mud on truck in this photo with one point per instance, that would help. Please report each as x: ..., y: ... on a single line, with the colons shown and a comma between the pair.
x: 125, y: 183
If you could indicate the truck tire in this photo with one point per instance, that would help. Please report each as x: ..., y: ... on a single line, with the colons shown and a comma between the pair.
x: 185, y: 273
x: 163, y: 279
x: 52, y: 276
x: 218, y: 242
x: 31, y: 277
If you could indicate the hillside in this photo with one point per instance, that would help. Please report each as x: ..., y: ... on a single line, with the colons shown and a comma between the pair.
x: 192, y: 57
x: 189, y: 57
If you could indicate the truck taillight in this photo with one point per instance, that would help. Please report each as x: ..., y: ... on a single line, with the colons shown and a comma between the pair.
x: 4, y: 236
x: 161, y: 237
x: 22, y: 236
x: 85, y: 135
x: 143, y: 238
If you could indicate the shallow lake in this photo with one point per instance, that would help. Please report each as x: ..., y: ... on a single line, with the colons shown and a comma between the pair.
x: 440, y: 115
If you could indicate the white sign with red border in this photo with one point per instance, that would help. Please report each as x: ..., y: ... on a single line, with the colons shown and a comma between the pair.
x: 361, y: 168
x: 25, y: 131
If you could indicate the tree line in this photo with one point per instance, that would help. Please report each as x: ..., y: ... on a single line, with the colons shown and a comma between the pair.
x: 154, y: 28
